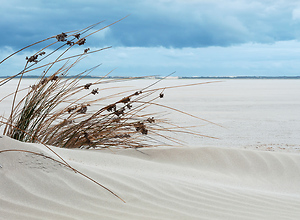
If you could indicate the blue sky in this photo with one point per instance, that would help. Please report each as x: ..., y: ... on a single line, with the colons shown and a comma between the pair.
x: 191, y: 37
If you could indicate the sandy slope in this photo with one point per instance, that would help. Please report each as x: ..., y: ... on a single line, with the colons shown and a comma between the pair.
x: 161, y: 183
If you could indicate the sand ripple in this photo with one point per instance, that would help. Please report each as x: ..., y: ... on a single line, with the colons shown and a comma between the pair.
x: 163, y: 183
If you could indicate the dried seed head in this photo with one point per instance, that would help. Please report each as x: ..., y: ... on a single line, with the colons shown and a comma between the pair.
x: 77, y: 36
x: 87, y: 86
x: 161, y: 95
x: 140, y: 127
x: 86, y: 50
x: 144, y: 131
x: 81, y: 41
x: 129, y: 106
x: 111, y: 107
x: 33, y: 58
x: 125, y: 100
x: 95, y: 91
x: 61, y: 37
x: 138, y: 92
x: 44, y: 80
x: 119, y: 112
x: 151, y: 120
x: 70, y: 43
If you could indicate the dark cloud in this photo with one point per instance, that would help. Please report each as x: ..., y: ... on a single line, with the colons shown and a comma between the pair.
x: 164, y: 23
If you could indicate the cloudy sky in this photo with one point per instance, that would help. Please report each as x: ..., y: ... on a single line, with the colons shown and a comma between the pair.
x: 191, y: 37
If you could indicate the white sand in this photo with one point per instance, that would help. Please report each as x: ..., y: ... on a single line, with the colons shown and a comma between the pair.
x: 174, y: 183
x: 208, y: 179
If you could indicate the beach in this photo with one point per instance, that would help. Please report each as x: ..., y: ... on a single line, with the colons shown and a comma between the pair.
x: 249, y: 170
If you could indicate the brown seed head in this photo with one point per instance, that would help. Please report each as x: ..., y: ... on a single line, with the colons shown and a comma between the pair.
x: 81, y: 41
x: 95, y: 91
x: 87, y: 86
x: 61, y: 37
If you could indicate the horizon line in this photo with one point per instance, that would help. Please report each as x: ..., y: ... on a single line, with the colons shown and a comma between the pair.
x: 172, y: 77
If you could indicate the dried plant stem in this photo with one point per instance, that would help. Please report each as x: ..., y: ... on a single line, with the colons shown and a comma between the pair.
x: 42, y: 144
x: 177, y: 110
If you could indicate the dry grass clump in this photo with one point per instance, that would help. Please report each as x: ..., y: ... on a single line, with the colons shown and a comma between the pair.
x: 62, y: 111
x: 56, y: 110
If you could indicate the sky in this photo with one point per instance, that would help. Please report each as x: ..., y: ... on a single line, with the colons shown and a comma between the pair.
x: 191, y: 37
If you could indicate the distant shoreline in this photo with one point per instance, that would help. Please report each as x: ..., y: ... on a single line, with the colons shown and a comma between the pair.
x: 240, y: 77
x: 175, y: 77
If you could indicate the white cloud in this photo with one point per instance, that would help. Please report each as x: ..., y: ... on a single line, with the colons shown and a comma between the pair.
x: 193, y: 23
x: 194, y: 37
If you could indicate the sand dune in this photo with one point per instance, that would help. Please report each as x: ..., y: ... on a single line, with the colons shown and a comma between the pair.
x: 160, y: 183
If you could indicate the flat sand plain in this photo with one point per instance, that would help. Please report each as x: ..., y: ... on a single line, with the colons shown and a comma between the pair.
x: 252, y: 171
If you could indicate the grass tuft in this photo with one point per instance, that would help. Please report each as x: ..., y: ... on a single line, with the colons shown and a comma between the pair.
x: 66, y: 112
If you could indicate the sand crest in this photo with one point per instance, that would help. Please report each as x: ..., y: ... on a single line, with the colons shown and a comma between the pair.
x: 159, y: 183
